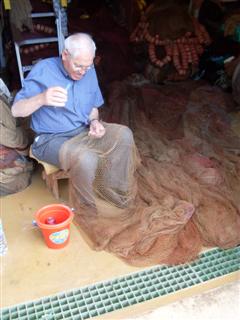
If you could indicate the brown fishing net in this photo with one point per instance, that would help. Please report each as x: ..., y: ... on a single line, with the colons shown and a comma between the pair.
x: 104, y: 166
x: 185, y: 191
x: 142, y: 228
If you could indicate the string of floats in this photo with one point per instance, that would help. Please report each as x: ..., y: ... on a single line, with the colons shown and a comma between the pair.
x: 181, y: 51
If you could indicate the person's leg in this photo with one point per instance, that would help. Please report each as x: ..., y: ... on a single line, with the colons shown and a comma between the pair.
x: 46, y: 148
x: 82, y: 173
x: 117, y: 177
x: 121, y: 158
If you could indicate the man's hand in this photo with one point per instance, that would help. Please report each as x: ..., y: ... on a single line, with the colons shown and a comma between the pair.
x: 96, y: 130
x: 55, y: 96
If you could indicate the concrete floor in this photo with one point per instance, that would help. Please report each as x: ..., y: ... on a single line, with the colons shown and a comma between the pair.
x: 30, y: 264
x: 217, y: 304
x: 31, y: 271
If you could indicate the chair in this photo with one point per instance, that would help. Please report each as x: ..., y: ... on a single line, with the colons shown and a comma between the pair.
x: 51, y: 174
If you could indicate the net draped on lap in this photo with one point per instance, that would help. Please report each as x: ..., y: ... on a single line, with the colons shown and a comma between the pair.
x: 183, y: 194
x: 102, y: 167
x: 108, y: 208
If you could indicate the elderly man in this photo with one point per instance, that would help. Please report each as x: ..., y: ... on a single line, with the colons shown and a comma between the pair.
x: 62, y: 96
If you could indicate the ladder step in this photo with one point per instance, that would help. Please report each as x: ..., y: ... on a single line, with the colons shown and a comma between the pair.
x: 42, y: 14
x: 38, y: 40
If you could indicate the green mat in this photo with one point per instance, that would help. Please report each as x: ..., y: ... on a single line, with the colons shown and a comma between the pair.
x: 118, y: 293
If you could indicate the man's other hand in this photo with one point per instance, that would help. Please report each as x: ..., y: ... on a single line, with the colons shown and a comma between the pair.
x: 96, y: 130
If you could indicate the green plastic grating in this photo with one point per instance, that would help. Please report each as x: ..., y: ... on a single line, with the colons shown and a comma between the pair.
x: 128, y: 290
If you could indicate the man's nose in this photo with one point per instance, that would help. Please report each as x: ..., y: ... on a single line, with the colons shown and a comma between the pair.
x: 82, y: 72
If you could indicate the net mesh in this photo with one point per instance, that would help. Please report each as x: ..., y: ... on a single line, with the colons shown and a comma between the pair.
x: 104, y: 166
x: 184, y: 193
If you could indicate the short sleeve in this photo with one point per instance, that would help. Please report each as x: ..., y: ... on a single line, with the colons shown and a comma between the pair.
x: 31, y: 86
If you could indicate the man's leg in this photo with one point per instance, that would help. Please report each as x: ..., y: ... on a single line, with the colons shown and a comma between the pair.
x: 121, y: 161
x: 117, y: 177
x: 47, y: 149
x: 83, y: 173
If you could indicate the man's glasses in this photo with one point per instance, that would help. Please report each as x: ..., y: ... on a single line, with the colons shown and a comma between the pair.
x: 79, y: 67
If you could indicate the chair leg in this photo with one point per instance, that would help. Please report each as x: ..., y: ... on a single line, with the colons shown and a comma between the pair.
x: 46, y: 179
x: 55, y: 187
x: 70, y: 193
x: 52, y: 184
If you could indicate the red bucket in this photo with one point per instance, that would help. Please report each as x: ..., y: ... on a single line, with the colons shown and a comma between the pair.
x: 54, y: 221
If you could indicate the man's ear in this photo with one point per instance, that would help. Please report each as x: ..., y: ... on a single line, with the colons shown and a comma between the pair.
x: 64, y: 54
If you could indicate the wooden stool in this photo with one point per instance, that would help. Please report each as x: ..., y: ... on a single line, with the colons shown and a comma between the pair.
x: 51, y: 174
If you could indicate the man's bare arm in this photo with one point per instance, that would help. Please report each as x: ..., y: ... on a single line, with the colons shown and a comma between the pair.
x: 25, y: 107
x: 94, y: 115
x: 54, y: 96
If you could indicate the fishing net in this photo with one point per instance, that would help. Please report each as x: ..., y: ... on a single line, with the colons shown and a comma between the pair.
x: 184, y: 193
x: 104, y: 166
x: 133, y: 225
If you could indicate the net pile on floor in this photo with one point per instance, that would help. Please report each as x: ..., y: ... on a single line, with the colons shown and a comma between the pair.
x: 183, y: 194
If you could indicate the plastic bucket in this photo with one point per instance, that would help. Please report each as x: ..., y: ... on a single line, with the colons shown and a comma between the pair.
x: 55, y: 235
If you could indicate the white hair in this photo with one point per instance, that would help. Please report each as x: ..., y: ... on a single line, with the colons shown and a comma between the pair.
x: 80, y: 43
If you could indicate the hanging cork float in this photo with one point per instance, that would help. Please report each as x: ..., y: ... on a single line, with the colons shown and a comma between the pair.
x: 170, y: 30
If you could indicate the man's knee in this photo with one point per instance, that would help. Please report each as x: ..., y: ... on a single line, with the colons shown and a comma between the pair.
x: 126, y: 136
x: 87, y: 161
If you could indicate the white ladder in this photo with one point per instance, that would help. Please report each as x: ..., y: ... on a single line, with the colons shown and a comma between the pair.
x: 59, y: 39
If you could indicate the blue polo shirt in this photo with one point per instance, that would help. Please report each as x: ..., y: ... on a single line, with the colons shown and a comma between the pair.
x: 83, y: 96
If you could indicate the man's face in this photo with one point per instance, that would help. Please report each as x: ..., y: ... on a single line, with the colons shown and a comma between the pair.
x: 77, y: 66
